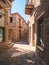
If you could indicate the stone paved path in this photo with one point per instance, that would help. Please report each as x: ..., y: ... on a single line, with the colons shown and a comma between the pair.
x: 20, y: 54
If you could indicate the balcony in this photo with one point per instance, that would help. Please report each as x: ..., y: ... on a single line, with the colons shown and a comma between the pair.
x: 11, y: 0
x: 29, y: 7
x: 6, y: 3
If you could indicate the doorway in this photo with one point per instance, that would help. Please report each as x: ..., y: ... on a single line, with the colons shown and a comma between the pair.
x: 33, y: 31
x: 11, y: 34
x: 19, y: 33
x: 40, y: 32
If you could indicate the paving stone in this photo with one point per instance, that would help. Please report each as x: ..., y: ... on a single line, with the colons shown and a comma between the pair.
x: 20, y: 56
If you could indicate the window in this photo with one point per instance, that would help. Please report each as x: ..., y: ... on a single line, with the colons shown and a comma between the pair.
x: 11, y: 19
x: 2, y: 21
x: 40, y: 32
x: 2, y: 34
x: 19, y: 22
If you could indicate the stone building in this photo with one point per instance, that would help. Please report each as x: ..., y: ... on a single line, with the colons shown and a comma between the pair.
x: 4, y: 7
x: 17, y: 27
x: 38, y: 17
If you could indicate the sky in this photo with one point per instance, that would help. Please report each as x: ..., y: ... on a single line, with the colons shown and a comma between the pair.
x: 19, y: 6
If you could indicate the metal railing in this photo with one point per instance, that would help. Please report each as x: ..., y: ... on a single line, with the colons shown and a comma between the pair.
x: 29, y: 2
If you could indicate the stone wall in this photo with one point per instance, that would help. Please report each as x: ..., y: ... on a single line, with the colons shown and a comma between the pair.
x: 45, y: 53
x: 19, y: 26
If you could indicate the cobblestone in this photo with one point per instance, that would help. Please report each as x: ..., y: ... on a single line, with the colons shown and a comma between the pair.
x: 18, y: 55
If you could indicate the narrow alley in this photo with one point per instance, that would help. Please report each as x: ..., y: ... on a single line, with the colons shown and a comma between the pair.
x: 20, y: 54
x: 24, y: 32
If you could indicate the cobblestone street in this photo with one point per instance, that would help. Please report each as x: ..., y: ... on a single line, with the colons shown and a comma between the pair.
x: 20, y: 54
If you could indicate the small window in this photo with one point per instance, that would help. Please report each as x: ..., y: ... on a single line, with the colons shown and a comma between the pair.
x: 11, y: 19
x: 2, y: 34
x: 19, y: 22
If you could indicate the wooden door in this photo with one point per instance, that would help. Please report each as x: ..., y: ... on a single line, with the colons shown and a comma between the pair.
x: 11, y: 34
x: 33, y: 36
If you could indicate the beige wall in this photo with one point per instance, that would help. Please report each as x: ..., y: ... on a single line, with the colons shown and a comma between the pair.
x: 31, y: 20
x: 17, y: 20
x: 31, y: 23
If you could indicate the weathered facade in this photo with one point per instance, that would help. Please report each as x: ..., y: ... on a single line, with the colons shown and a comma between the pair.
x: 4, y: 7
x: 17, y: 27
x: 38, y: 13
